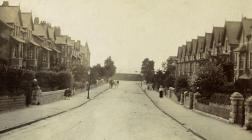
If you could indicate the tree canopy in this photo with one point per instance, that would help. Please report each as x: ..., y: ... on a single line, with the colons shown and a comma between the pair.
x: 147, y: 70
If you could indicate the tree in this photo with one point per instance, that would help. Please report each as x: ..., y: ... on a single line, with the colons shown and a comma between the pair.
x: 210, y: 78
x: 109, y: 67
x: 80, y: 73
x: 147, y: 70
x: 97, y: 73
x: 169, y: 73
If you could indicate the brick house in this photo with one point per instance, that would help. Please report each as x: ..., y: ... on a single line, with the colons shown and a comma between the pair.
x: 31, y: 47
x: 11, y: 16
x: 243, y: 54
x: 31, y: 44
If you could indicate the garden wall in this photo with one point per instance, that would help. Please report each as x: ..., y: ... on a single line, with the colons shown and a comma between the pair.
x: 187, y: 101
x: 10, y: 103
x: 173, y: 96
x: 222, y: 111
x: 51, y: 96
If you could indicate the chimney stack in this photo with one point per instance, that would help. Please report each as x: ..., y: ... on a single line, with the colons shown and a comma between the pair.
x: 5, y: 3
x: 36, y: 20
x: 57, y: 31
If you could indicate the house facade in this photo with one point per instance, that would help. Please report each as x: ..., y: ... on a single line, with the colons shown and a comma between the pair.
x: 231, y: 42
x: 36, y: 45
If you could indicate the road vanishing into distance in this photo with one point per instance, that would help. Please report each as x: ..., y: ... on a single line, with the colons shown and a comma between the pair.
x: 123, y: 113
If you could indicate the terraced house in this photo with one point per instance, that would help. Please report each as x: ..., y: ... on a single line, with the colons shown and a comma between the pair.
x: 37, y: 45
x: 231, y: 42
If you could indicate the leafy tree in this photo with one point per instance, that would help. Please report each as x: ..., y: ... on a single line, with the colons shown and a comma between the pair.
x: 147, y: 70
x: 80, y: 73
x: 97, y: 73
x: 181, y: 83
x: 109, y: 67
x: 210, y: 78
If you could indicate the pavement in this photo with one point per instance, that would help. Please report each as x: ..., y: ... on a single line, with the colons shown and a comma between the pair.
x: 123, y: 113
x: 207, y: 127
x: 18, y: 118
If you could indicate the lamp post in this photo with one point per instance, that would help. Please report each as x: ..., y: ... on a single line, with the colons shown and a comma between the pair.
x: 89, y: 82
x: 141, y: 79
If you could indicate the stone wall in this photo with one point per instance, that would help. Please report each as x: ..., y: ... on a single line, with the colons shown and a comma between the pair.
x: 51, y: 96
x: 10, y: 103
x: 187, y: 101
x: 173, y: 96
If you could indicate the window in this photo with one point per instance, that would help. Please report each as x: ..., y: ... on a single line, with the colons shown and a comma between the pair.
x: 242, y: 61
x: 250, y: 60
x: 235, y: 60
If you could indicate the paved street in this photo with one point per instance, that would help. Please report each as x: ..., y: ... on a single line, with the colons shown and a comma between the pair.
x: 123, y: 113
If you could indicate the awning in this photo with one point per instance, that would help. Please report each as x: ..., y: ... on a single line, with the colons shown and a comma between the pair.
x: 18, y: 39
x: 34, y: 43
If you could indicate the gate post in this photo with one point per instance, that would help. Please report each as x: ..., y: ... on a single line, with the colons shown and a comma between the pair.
x: 248, y: 113
x: 190, y: 100
x: 182, y: 97
x: 236, y: 114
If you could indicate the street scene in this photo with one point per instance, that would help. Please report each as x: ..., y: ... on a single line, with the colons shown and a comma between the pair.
x: 120, y: 113
x: 125, y: 70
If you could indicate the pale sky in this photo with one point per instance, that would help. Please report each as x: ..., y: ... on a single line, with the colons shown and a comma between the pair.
x: 131, y: 30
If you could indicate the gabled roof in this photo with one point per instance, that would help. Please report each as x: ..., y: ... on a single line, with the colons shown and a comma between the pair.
x: 87, y: 48
x: 208, y: 41
x: 201, y: 43
x: 10, y: 14
x: 179, y: 52
x: 218, y: 34
x: 232, y: 30
x: 40, y: 30
x: 27, y: 20
x: 51, y: 34
x: 194, y: 46
x: 246, y: 26
x: 61, y: 40
x: 183, y: 50
x: 188, y: 48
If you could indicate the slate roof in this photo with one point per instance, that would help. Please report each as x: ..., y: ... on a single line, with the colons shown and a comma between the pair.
x: 183, y: 50
x: 188, y: 48
x: 232, y: 30
x: 10, y: 14
x: 247, y: 26
x: 61, y: 40
x: 27, y: 20
x: 40, y: 30
x: 179, y: 52
x: 194, y: 46
x: 208, y: 41
x: 51, y: 34
x: 218, y: 34
x: 201, y: 43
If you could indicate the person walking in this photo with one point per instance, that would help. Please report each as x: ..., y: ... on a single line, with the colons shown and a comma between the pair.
x: 161, y: 91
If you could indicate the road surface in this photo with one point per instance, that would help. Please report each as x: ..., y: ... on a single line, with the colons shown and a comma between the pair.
x: 123, y: 113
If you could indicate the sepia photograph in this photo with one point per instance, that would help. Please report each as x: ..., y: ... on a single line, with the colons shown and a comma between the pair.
x: 125, y: 69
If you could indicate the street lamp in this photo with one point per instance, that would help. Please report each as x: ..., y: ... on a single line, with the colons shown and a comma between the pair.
x: 89, y: 81
x: 141, y: 79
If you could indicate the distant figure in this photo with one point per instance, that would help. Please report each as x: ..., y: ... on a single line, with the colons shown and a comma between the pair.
x: 161, y: 91
x: 111, y: 83
x: 67, y: 93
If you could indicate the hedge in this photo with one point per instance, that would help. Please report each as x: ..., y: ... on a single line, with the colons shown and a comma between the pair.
x: 48, y: 80
x: 15, y: 82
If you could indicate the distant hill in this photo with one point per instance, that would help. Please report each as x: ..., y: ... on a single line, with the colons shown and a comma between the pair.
x: 127, y: 77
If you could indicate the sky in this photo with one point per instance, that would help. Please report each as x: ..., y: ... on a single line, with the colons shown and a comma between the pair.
x: 131, y: 30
